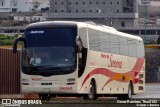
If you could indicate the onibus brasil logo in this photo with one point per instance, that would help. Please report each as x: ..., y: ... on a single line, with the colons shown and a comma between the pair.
x: 17, y: 103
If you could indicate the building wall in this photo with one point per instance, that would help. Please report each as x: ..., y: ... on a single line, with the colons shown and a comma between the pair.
x: 108, y: 12
x: 5, y: 5
x: 8, y: 5
x: 24, y: 5
x: 83, y: 6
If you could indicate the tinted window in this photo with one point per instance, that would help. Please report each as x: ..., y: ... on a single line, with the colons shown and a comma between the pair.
x: 114, y: 44
x: 94, y: 40
x: 83, y: 36
x: 50, y: 37
x: 104, y: 42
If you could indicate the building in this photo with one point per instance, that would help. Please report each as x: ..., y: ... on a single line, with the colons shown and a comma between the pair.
x: 29, y: 18
x: 23, y: 5
x: 42, y: 1
x: 42, y: 5
x: 8, y: 5
x: 32, y: 5
x: 116, y: 13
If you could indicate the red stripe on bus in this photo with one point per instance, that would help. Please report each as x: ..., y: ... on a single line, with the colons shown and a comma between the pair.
x: 117, y: 76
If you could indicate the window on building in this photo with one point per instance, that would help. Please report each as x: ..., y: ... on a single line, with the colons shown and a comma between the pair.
x: 76, y: 3
x: 55, y: 3
x: 134, y: 32
x: 62, y: 3
x: 117, y: 2
x: 118, y: 11
x: 55, y: 10
x: 148, y: 32
x: 70, y: 3
x: 97, y: 3
x: 83, y: 3
x: 90, y: 2
x: 104, y: 3
x: 83, y: 11
x: 2, y: 3
x: 62, y: 10
x: 15, y: 4
x: 90, y: 11
x: 76, y: 11
x: 110, y: 2
x: 123, y: 24
x: 69, y: 11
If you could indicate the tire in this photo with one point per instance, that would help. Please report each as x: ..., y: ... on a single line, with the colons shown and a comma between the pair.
x: 130, y: 91
x: 128, y: 95
x: 92, y: 91
x: 44, y: 97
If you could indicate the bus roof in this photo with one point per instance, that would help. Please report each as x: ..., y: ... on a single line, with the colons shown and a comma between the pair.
x: 92, y: 25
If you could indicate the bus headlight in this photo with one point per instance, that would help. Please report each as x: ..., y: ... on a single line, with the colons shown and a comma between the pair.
x: 25, y: 80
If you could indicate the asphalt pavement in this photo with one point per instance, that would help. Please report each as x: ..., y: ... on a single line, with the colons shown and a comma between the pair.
x: 151, y: 91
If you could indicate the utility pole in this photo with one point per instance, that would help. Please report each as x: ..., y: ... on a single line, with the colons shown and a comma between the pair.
x: 145, y: 23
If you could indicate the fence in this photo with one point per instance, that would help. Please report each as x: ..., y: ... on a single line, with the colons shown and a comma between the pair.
x: 152, y: 65
x: 9, y: 72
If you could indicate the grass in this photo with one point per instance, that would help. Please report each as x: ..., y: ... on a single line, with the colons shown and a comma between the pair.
x: 10, y: 46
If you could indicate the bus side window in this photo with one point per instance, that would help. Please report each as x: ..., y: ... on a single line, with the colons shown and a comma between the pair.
x: 132, y: 46
x: 114, y: 44
x: 104, y: 42
x: 82, y: 51
x: 94, y: 40
x: 83, y: 36
x: 123, y: 46
x: 140, y: 49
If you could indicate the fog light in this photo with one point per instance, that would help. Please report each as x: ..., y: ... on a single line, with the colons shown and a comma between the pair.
x: 25, y: 80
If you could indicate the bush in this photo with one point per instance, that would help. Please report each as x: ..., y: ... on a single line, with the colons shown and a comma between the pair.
x: 6, y: 40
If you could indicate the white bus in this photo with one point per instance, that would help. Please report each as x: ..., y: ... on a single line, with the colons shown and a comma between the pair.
x: 65, y: 58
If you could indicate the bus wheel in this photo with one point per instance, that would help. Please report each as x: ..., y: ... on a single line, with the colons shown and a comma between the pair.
x: 92, y: 91
x: 128, y: 95
x: 130, y: 91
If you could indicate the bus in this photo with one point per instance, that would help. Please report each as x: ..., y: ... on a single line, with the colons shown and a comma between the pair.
x: 68, y: 58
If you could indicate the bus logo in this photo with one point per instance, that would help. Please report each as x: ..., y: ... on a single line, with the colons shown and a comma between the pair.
x: 46, y: 83
x: 112, y: 62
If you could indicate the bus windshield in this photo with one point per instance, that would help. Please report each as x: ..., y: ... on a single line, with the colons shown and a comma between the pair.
x: 49, y: 51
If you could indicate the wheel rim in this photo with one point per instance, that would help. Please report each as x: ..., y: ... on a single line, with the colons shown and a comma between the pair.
x: 91, y: 91
x: 129, y: 92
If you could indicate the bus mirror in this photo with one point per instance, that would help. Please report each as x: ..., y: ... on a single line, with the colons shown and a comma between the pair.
x: 16, y: 42
x: 80, y: 55
x: 79, y: 43
x: 77, y: 40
